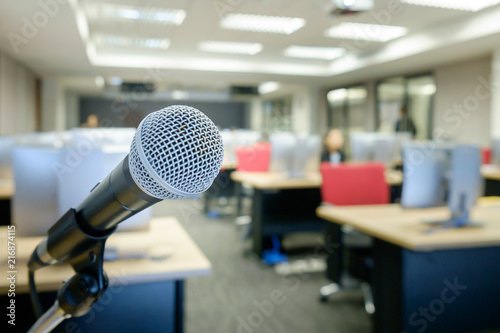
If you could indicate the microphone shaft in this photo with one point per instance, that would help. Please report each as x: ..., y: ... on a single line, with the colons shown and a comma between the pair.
x: 113, y: 200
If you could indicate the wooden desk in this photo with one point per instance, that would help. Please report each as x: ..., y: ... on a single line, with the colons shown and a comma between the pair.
x: 276, y: 180
x: 229, y: 165
x: 6, y: 189
x: 403, y: 227
x: 491, y: 172
x: 413, y: 270
x: 141, y: 278
x: 280, y: 181
x: 282, y: 204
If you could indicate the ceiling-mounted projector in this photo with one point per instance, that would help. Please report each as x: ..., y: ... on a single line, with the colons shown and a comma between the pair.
x: 344, y: 7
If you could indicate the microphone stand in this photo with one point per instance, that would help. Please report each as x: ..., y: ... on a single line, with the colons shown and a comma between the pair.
x: 76, y: 297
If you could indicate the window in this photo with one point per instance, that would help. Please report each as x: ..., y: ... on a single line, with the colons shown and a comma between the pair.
x: 415, y: 94
x: 278, y: 115
x: 348, y: 110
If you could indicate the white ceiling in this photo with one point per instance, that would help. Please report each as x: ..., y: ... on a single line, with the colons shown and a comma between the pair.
x: 57, y: 49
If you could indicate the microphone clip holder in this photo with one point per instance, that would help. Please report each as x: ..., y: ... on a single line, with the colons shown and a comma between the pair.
x: 69, y: 243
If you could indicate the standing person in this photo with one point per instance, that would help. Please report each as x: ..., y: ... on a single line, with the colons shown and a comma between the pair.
x: 405, y: 123
x: 334, y: 144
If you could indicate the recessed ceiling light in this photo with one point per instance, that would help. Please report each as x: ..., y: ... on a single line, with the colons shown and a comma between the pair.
x: 153, y: 43
x: 99, y: 81
x: 364, y: 31
x: 147, y: 14
x: 180, y: 95
x: 309, y: 52
x: 268, y: 87
x: 469, y: 5
x: 269, y: 24
x: 230, y: 47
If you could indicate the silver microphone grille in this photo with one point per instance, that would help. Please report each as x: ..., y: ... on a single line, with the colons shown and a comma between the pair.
x: 176, y: 153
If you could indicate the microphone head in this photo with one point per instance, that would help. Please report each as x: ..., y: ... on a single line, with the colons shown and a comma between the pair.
x: 176, y: 153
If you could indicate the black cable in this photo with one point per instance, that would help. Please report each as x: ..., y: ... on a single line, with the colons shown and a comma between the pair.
x: 35, y: 298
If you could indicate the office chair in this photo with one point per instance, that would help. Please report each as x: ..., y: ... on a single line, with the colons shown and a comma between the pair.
x: 486, y: 155
x: 343, y: 185
x: 255, y: 158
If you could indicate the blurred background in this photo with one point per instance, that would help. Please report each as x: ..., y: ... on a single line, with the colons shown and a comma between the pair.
x: 320, y: 103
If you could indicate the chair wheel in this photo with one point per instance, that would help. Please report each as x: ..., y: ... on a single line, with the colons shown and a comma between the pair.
x: 323, y: 299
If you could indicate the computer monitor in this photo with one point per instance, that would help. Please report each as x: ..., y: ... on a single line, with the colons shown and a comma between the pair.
x: 380, y: 147
x: 295, y: 154
x: 306, y: 156
x: 425, y: 180
x: 464, y: 182
x: 442, y: 174
x: 282, y: 147
x: 361, y: 146
x: 50, y: 180
x: 495, y: 152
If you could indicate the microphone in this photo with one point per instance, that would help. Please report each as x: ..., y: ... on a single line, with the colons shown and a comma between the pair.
x: 176, y: 153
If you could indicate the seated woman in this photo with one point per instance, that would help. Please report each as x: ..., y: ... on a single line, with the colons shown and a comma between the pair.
x: 334, y: 143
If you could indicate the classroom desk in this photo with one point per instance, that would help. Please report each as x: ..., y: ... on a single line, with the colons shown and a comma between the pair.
x: 413, y: 270
x: 280, y: 205
x: 491, y: 174
x: 283, y: 205
x: 144, y: 294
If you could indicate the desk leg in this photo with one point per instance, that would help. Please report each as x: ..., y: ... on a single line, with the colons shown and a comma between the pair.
x: 206, y: 203
x: 237, y: 190
x: 260, y: 242
x: 179, y: 306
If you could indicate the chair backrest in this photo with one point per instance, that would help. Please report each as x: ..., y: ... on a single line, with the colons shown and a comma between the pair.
x: 354, y: 184
x: 255, y: 158
x: 486, y: 152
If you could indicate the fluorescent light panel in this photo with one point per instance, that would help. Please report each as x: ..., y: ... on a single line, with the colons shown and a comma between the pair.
x: 152, y: 43
x: 147, y: 14
x: 258, y: 23
x: 467, y: 5
x: 365, y: 31
x: 230, y: 47
x: 309, y: 52
x: 268, y: 87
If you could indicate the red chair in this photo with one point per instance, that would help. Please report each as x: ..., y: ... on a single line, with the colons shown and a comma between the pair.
x: 486, y: 152
x: 352, y: 184
x: 255, y: 158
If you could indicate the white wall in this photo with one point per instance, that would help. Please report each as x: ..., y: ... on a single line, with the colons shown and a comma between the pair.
x: 462, y: 104
x: 495, y: 97
x: 17, y: 97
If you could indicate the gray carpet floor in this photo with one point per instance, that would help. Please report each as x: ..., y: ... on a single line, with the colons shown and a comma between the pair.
x: 242, y: 295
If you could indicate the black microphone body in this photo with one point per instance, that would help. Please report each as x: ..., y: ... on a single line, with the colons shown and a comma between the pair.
x: 113, y: 200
